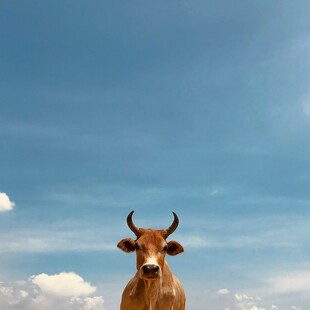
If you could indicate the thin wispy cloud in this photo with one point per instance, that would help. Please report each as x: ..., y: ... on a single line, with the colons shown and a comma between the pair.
x: 291, y: 282
x: 43, y: 241
x: 262, y: 237
x: 306, y: 106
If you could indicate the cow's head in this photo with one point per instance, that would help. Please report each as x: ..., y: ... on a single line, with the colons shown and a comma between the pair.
x: 151, y: 247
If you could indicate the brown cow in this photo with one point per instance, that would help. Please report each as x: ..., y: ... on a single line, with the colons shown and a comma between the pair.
x: 154, y: 286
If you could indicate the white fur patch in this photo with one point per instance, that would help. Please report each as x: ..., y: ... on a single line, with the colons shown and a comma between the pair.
x: 152, y: 260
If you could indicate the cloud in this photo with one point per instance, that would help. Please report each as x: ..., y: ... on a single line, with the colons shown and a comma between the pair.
x: 271, y: 237
x: 63, y: 291
x: 64, y: 284
x: 5, y: 203
x: 228, y: 300
x: 296, y: 281
x: 223, y: 291
x: 245, y: 302
x: 300, y: 49
x: 194, y: 241
x: 48, y: 241
x: 239, y: 301
x: 306, y: 106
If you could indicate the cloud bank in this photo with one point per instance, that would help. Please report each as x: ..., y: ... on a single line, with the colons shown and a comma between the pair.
x: 224, y: 299
x: 63, y: 291
x: 5, y: 203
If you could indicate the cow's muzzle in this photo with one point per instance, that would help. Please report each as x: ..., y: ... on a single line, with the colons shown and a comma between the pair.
x: 150, y: 271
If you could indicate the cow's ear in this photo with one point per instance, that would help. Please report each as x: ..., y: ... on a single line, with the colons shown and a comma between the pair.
x: 174, y: 248
x: 127, y: 245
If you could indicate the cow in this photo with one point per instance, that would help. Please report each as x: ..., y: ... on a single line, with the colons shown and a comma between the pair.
x: 154, y: 286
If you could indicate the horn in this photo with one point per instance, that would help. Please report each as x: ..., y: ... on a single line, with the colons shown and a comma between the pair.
x: 173, y: 226
x: 131, y: 224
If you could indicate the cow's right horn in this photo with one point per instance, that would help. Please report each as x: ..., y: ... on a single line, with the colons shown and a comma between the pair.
x: 131, y: 224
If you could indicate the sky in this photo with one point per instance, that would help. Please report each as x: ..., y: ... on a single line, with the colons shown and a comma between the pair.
x: 198, y: 107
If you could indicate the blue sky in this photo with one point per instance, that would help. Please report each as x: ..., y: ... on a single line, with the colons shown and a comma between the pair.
x: 197, y: 107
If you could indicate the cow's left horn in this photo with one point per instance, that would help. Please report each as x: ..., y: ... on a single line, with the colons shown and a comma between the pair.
x: 131, y: 224
x: 173, y: 226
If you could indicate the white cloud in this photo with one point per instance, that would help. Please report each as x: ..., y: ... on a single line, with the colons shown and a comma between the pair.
x: 245, y: 302
x: 5, y: 203
x: 92, y: 303
x: 223, y: 291
x: 64, y: 291
x: 229, y: 300
x: 225, y: 299
x: 64, y: 284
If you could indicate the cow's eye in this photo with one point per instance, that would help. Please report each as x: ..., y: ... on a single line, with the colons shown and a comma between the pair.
x: 137, y: 247
x: 165, y: 248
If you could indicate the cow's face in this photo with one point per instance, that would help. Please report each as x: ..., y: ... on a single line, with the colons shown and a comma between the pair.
x: 151, y: 248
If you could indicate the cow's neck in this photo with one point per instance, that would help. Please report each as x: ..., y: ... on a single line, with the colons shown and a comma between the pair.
x: 152, y: 292
x: 153, y: 288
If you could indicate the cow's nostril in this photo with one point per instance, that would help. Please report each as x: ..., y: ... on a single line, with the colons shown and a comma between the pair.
x: 150, y: 269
